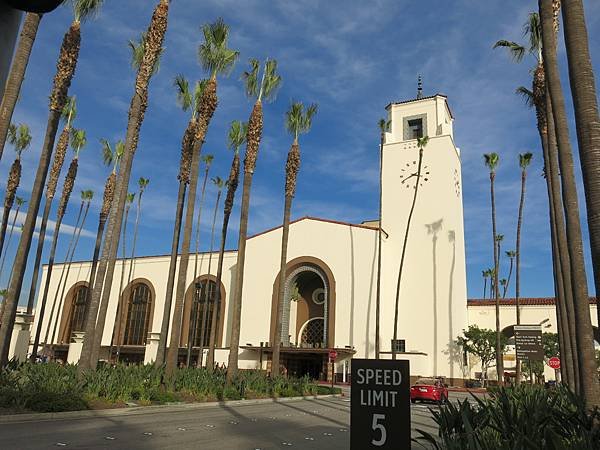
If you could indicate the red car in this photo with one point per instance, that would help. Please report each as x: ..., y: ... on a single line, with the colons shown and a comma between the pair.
x: 430, y: 389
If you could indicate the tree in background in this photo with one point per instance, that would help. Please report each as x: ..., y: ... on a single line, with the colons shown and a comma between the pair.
x: 265, y: 89
x: 298, y: 120
x: 481, y: 342
x: 510, y: 254
x: 20, y: 202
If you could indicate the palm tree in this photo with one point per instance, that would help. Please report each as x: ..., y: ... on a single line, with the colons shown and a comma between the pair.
x: 86, y: 198
x: 587, y: 120
x: 128, y: 202
x: 111, y: 157
x: 67, y: 61
x: 491, y: 161
x: 236, y: 138
x: 188, y: 102
x: 265, y: 89
x: 3, y: 294
x: 219, y: 183
x: 17, y: 74
x: 142, y: 184
x: 68, y: 115
x: 484, y: 274
x: 589, y: 388
x: 207, y: 160
x: 78, y: 142
x: 491, y: 272
x: 383, y: 127
x: 20, y: 202
x: 511, y: 256
x: 538, y: 98
x: 421, y: 144
x: 139, y: 102
x: 524, y: 161
x: 216, y: 58
x: 20, y: 138
x: 298, y: 119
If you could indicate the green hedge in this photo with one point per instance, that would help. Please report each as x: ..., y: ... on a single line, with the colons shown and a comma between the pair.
x: 54, y: 387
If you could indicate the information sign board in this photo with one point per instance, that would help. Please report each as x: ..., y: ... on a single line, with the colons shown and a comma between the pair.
x: 528, y: 342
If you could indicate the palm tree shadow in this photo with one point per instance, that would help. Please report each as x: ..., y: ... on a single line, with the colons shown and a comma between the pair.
x: 433, y: 229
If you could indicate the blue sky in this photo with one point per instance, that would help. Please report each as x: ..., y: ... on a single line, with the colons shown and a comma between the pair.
x: 350, y: 57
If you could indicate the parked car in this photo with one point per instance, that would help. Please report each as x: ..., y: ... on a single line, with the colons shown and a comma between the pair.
x: 429, y: 389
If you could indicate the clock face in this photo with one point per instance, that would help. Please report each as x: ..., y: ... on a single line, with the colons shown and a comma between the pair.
x: 456, y: 182
x: 408, y: 175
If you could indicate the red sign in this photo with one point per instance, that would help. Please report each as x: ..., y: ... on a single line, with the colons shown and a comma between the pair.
x: 332, y: 355
x: 554, y: 362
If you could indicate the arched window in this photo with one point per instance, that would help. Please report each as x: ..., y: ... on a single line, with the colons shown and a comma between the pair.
x: 77, y: 311
x: 202, y: 311
x: 312, y: 332
x: 139, y: 306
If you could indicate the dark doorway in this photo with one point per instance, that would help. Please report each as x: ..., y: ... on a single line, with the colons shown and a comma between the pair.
x: 310, y: 365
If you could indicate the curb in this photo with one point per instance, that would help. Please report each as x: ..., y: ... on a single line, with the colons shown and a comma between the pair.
x: 138, y: 410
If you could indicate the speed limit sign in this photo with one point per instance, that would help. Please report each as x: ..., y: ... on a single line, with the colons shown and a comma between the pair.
x: 380, y: 405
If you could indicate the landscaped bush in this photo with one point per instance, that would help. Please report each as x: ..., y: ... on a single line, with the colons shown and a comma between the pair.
x: 525, y: 417
x: 54, y: 387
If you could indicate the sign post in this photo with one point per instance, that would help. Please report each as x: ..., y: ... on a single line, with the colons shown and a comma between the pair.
x: 380, y: 404
x: 528, y: 342
x: 332, y: 357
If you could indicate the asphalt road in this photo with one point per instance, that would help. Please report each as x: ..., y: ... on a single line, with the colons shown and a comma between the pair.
x: 305, y: 424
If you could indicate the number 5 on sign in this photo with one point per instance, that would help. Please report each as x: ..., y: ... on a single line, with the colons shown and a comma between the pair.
x: 379, y: 427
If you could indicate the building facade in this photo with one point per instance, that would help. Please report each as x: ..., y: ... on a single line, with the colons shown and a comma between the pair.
x: 331, y: 276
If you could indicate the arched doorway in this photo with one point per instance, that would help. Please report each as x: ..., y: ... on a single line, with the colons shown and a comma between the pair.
x: 74, y: 311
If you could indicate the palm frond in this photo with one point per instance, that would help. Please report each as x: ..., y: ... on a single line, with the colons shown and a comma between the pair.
x: 527, y: 95
x: 78, y: 140
x: 516, y: 51
x: 69, y: 111
x: 491, y: 161
x: 525, y: 159
x: 237, y: 134
x: 298, y: 119
x: 213, y: 53
x: 107, y: 152
x: 12, y: 134
x: 198, y: 91
x: 184, y: 96
x: 218, y: 182
x: 208, y: 159
x: 422, y: 141
x: 143, y: 183
x: 271, y: 81
x: 138, y: 49
x: 20, y: 201
x: 532, y: 29
x: 86, y: 9
x: 19, y: 137
x: 250, y: 78
x: 130, y: 197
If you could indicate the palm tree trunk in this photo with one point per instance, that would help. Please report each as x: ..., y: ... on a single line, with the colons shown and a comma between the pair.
x: 208, y: 105
x: 164, y: 329
x: 139, y: 102
x: 590, y: 389
x: 403, y: 254
x: 208, y: 298
x: 484, y: 287
x: 507, y: 285
x: 12, y: 227
x: 120, y: 303
x: 193, y: 322
x: 65, y: 71
x: 229, y: 199
x: 564, y: 263
x: 518, y: 268
x: 379, y: 241
x: 64, y: 275
x: 12, y: 184
x: 38, y: 255
x: 17, y: 74
x: 135, y: 234
x: 587, y: 120
x: 281, y: 288
x: 499, y: 354
x: 4, y: 226
x: 62, y: 298
x: 255, y: 127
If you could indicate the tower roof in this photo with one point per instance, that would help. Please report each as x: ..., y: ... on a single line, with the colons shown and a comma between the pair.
x: 429, y: 97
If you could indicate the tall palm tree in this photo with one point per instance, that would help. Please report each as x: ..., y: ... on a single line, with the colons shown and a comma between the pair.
x: 20, y: 202
x: 491, y: 161
x: 111, y: 157
x: 86, y: 198
x: 264, y: 88
x: 147, y: 65
x: 67, y: 61
x: 219, y: 184
x: 538, y: 98
x: 20, y: 138
x: 524, y: 162
x: 142, y: 185
x: 216, y: 58
x: 511, y: 254
x: 3, y: 294
x: 298, y: 120
x: 421, y: 144
x: 68, y: 115
x: 207, y: 160
x: 236, y: 138
x: 484, y: 274
x: 587, y: 120
x: 589, y: 386
x: 188, y: 101
x: 17, y: 74
x: 128, y: 202
x: 383, y: 127
x: 78, y: 142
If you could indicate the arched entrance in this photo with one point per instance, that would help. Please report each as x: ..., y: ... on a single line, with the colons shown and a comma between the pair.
x: 308, y: 318
x: 74, y: 310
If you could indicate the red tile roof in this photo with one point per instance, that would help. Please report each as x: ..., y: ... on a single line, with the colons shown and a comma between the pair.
x: 525, y: 301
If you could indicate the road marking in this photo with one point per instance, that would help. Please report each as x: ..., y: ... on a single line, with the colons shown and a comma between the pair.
x: 343, y: 430
x: 233, y: 422
x: 61, y: 444
x: 327, y: 434
x: 289, y: 444
x: 309, y: 438
x: 147, y: 433
x: 210, y: 426
x: 181, y: 429
x: 110, y: 438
